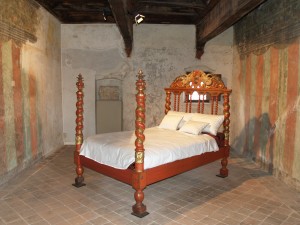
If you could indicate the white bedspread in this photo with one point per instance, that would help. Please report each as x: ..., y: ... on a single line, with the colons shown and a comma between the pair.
x: 161, y: 146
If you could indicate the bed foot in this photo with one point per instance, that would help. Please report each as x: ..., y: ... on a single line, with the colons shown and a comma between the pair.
x: 140, y: 215
x: 139, y: 184
x: 79, y: 182
x: 223, y: 170
x: 221, y: 175
x: 139, y: 209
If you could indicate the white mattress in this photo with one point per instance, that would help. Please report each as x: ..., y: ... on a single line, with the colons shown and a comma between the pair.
x: 161, y: 146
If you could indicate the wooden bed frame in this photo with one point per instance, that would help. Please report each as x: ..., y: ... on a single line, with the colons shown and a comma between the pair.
x: 138, y: 177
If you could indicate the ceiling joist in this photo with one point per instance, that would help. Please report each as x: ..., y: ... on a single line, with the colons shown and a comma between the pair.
x: 124, y: 22
x: 174, y: 4
x: 222, y: 16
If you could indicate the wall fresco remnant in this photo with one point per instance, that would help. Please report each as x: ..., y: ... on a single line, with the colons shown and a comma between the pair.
x: 29, y: 109
x: 19, y: 20
x: 267, y: 52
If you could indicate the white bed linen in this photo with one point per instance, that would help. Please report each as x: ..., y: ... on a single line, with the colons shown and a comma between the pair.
x: 161, y: 146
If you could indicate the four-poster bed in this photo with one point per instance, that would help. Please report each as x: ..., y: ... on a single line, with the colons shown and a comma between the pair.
x: 142, y: 168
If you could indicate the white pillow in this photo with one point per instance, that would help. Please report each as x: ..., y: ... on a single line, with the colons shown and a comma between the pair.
x: 186, y: 116
x: 170, y: 122
x: 214, y: 122
x: 193, y: 127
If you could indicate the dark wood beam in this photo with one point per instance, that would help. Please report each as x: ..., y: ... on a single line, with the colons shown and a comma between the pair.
x: 168, y: 19
x: 123, y: 21
x: 211, y: 4
x: 220, y: 18
x: 82, y: 1
x: 167, y: 13
x: 173, y: 3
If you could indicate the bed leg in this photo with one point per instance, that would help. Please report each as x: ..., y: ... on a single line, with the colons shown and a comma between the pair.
x: 79, y: 171
x: 224, y: 163
x: 139, y: 184
x: 79, y: 179
x: 223, y: 170
x: 79, y: 182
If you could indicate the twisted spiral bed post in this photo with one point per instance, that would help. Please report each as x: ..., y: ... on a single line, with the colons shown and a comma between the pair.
x: 168, y: 102
x: 79, y: 135
x: 224, y: 161
x: 139, y: 175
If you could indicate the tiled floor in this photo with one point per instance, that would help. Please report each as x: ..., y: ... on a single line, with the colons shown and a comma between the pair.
x: 44, y: 195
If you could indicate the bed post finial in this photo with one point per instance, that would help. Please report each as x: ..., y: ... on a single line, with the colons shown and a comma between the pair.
x: 139, y: 175
x: 140, y: 76
x: 79, y: 135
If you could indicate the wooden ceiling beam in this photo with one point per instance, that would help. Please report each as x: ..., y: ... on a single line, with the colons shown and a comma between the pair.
x: 166, y: 13
x: 173, y: 3
x: 82, y: 2
x: 220, y: 18
x: 123, y: 21
x: 169, y: 20
x: 211, y: 4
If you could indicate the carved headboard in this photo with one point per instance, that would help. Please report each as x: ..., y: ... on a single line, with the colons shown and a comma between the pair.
x: 207, y: 87
x: 201, y: 92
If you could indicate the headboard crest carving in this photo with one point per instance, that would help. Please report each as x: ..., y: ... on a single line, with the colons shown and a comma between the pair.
x: 198, y: 79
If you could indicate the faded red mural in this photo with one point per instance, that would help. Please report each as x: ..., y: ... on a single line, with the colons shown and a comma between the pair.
x: 268, y: 89
x: 18, y: 113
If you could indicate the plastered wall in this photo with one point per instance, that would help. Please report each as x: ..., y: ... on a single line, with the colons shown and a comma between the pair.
x: 266, y: 81
x: 30, y: 93
x: 163, y: 52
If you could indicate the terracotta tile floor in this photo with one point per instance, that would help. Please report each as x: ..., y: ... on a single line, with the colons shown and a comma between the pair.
x: 43, y: 194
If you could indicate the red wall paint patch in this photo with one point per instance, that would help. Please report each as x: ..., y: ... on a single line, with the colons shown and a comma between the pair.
x: 33, y: 116
x: 247, y: 102
x: 291, y: 98
x: 18, y: 103
x: 258, y: 104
